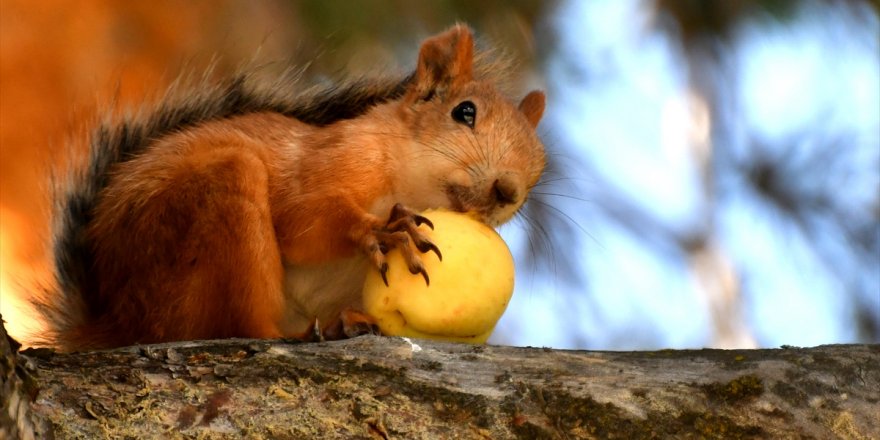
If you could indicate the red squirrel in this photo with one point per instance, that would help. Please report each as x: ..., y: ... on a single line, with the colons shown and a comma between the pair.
x: 236, y: 211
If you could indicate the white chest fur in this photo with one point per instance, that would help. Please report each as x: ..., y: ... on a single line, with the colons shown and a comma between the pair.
x: 322, y: 292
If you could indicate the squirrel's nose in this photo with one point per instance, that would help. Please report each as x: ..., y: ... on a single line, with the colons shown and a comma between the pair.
x: 505, y: 189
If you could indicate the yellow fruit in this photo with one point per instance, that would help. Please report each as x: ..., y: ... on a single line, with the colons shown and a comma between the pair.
x: 469, y: 289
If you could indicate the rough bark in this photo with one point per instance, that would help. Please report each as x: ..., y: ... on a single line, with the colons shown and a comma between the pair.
x: 378, y: 387
x: 16, y: 420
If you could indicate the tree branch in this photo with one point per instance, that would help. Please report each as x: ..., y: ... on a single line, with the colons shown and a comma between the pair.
x: 380, y: 387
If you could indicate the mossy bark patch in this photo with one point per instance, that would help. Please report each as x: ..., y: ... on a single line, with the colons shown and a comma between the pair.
x: 741, y: 389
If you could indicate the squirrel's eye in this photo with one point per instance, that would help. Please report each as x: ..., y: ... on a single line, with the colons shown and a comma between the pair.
x: 466, y: 113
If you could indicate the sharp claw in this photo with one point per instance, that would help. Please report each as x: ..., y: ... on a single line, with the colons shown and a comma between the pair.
x: 384, y: 270
x: 421, y: 270
x: 420, y: 220
x: 428, y: 246
x: 317, y: 334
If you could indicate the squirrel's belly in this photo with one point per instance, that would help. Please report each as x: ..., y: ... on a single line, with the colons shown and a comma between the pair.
x: 321, y: 291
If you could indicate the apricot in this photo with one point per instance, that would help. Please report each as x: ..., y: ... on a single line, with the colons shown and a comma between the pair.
x: 468, y: 291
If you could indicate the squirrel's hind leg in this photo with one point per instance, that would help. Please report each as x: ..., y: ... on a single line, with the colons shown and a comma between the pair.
x: 228, y: 279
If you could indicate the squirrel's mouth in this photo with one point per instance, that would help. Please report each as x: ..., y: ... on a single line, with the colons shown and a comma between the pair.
x: 462, y: 199
x: 456, y: 194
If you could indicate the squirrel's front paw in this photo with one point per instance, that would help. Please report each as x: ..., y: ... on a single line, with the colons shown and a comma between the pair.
x: 401, y: 232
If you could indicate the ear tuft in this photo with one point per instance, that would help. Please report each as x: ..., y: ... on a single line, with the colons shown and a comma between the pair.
x: 532, y: 106
x: 445, y: 60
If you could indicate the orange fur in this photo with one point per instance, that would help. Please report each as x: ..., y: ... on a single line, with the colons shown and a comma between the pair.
x: 256, y: 225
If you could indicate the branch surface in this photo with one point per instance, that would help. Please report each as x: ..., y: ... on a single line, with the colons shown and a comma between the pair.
x: 382, y: 387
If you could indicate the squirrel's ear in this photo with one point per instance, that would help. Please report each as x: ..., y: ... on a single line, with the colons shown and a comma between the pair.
x: 445, y: 60
x: 532, y: 106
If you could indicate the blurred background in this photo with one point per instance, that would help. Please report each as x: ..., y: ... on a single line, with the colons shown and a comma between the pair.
x: 714, y: 175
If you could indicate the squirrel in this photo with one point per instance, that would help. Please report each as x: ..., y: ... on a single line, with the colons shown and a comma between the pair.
x: 236, y: 211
